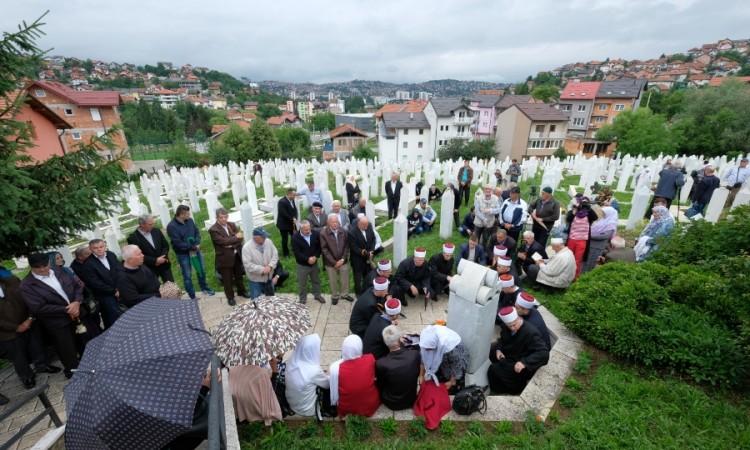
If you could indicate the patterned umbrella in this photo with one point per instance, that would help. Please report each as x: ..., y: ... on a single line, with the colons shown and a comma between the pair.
x: 137, y: 383
x: 257, y: 331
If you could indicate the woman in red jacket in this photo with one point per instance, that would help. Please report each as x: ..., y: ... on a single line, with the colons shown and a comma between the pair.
x: 353, y: 386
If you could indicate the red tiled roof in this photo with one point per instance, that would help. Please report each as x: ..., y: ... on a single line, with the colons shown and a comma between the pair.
x: 583, y: 90
x: 346, y: 128
x: 38, y: 106
x: 410, y: 106
x: 89, y: 98
x: 717, y: 81
x: 283, y: 118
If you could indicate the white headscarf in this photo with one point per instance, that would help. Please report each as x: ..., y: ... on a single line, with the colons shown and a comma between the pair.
x: 305, y: 361
x: 350, y: 349
x: 434, y: 342
x: 607, y: 224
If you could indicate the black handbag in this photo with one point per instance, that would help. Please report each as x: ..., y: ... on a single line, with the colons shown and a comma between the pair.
x: 269, y: 289
x: 469, y: 400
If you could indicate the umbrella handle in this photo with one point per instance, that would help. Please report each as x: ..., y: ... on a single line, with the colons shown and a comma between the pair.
x: 91, y: 371
x: 194, y: 328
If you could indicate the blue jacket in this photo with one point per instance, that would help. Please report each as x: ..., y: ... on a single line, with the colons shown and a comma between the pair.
x: 517, y: 216
x: 184, y: 236
x: 478, y: 254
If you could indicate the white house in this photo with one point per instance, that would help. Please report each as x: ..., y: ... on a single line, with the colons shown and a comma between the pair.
x: 449, y: 118
x: 404, y: 136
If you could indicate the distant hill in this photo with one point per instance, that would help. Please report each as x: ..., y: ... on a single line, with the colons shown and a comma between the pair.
x: 370, y: 88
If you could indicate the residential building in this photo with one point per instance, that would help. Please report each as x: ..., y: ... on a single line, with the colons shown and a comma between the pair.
x: 217, y: 103
x: 214, y: 87
x: 305, y: 110
x: 449, y: 118
x: 484, y: 107
x: 506, y: 101
x: 403, y: 95
x: 167, y: 98
x: 718, y: 81
x: 614, y: 97
x: 286, y: 119
x: 290, y: 106
x: 293, y: 95
x: 425, y: 95
x: 46, y: 125
x: 345, y: 139
x: 311, y: 96
x: 530, y: 129
x: 404, y: 136
x: 90, y: 114
x: 379, y: 99
x: 410, y: 106
x: 362, y: 121
x: 577, y: 99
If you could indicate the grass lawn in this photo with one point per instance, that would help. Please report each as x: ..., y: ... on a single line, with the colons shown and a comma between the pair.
x: 136, y: 155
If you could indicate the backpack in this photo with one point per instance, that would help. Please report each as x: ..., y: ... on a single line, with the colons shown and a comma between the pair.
x: 469, y: 400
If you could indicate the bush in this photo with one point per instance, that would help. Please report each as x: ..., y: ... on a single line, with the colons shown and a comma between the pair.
x: 364, y: 152
x: 626, y: 310
x: 220, y: 153
x: 182, y: 156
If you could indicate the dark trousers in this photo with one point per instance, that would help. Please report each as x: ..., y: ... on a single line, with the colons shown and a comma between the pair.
x: 63, y: 339
x: 109, y: 309
x: 503, y: 378
x: 464, y: 190
x: 484, y: 234
x: 456, y: 223
x: 163, y: 271
x: 26, y: 347
x: 515, y: 232
x: 360, y: 278
x: 285, y: 234
x: 393, y: 207
x: 234, y: 275
x: 540, y: 234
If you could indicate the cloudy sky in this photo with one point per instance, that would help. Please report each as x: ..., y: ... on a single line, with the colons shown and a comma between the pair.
x: 389, y: 40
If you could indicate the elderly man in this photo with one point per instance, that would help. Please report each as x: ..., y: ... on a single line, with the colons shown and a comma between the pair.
x: 526, y: 306
x: 513, y: 213
x: 54, y: 298
x: 362, y: 243
x: 508, y: 291
x: 544, y: 213
x: 286, y: 219
x: 393, y: 194
x: 501, y: 238
x: 703, y: 191
x: 359, y: 208
x: 559, y: 271
x: 154, y: 246
x: 342, y: 213
x: 306, y: 248
x: 413, y: 276
x: 465, y: 176
x: 472, y: 251
x: 384, y: 269
x: 368, y: 304
x: 670, y: 180
x: 100, y: 273
x: 373, y: 341
x: 81, y: 254
x: 20, y: 338
x: 260, y: 258
x: 311, y: 193
x: 227, y: 240
x: 335, y: 250
x: 397, y: 372
x: 486, y: 206
x: 517, y: 354
x: 735, y: 178
x: 529, y: 246
x: 441, y: 266
x: 136, y: 282
x: 504, y: 264
x: 186, y: 241
x: 316, y: 217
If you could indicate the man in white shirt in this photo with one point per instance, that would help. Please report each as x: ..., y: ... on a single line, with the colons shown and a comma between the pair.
x: 735, y: 178
x: 513, y: 213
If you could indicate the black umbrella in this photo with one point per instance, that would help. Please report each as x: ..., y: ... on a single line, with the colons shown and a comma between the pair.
x: 137, y: 383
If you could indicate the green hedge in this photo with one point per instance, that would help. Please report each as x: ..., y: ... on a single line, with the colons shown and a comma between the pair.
x: 629, y: 310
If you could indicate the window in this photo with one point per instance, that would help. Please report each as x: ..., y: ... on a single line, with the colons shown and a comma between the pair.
x: 40, y: 93
x: 419, y: 145
x: 76, y: 136
x: 486, y: 113
x: 341, y: 142
x: 602, y: 107
x: 578, y: 121
x: 619, y: 107
x: 565, y: 107
x: 539, y: 129
x: 99, y: 133
x: 421, y: 131
x: 599, y: 119
x: 581, y: 108
x: 406, y: 145
x: 552, y: 128
x: 95, y: 115
x: 406, y: 131
x: 68, y: 111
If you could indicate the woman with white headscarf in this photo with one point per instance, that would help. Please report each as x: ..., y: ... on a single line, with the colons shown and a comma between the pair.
x: 353, y: 388
x: 602, y: 231
x: 661, y: 224
x: 444, y: 358
x: 304, y: 376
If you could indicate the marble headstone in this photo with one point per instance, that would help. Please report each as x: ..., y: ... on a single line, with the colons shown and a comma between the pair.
x: 400, y: 237
x: 446, y: 214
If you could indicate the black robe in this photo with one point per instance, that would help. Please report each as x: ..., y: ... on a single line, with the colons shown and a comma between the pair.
x: 396, y: 376
x: 441, y: 270
x: 409, y: 274
x: 513, y: 271
x: 526, y: 346
x: 364, y: 308
x: 393, y: 288
x: 373, y: 340
x: 535, y: 318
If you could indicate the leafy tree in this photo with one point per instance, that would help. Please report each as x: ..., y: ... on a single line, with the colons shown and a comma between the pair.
x: 546, y: 92
x: 734, y: 55
x: 364, y: 151
x: 667, y: 103
x: 322, y: 121
x: 263, y: 143
x: 238, y: 141
x: 45, y: 204
x: 355, y: 104
x: 181, y: 155
x: 639, y: 132
x: 220, y: 153
x: 266, y: 111
x: 293, y: 141
x: 680, y: 57
x: 546, y: 78
x: 457, y: 149
x: 522, y: 89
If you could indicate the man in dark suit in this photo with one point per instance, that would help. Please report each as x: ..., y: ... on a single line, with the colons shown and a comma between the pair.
x: 361, y: 250
x: 500, y: 238
x: 100, y: 272
x: 286, y: 219
x: 227, y: 241
x: 393, y: 194
x: 154, y: 246
x: 306, y: 248
x: 472, y: 251
x: 317, y: 217
x: 54, y: 298
x: 526, y: 250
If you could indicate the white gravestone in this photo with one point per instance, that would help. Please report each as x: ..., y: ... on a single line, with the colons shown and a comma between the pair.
x: 246, y: 214
x: 195, y: 205
x: 212, y: 204
x: 639, y: 205
x: 403, y: 205
x: 252, y: 197
x: 327, y: 201
x: 163, y: 212
x: 370, y: 212
x: 742, y: 198
x: 114, y: 222
x: 446, y: 214
x: 400, y: 237
x: 112, y: 244
x: 716, y: 204
x: 685, y: 190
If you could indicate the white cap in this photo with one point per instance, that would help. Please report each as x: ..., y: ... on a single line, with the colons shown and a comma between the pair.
x: 420, y: 252
x: 504, y: 261
x: 393, y: 307
x: 556, y: 241
x: 508, y: 314
x: 384, y: 265
x: 449, y: 248
x: 526, y: 300
x: 499, y: 250
x: 506, y: 280
x: 380, y: 283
